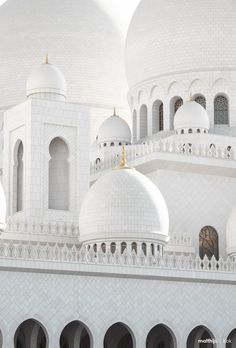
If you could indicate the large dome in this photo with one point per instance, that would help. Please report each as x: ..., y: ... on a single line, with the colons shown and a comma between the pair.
x: 81, y: 41
x: 125, y: 205
x: 168, y: 37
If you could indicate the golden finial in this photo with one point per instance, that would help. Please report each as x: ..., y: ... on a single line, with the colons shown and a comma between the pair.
x: 190, y: 96
x: 123, y: 160
x: 46, y: 60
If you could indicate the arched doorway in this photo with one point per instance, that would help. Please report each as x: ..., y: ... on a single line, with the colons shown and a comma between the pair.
x: 30, y: 334
x: 160, y: 336
x: 201, y: 337
x: 231, y: 339
x: 208, y: 242
x: 75, y: 335
x: 118, y: 336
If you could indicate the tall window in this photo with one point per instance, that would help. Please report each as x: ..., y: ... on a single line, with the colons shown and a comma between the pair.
x: 221, y: 110
x: 178, y: 104
x: 175, y: 104
x: 19, y: 177
x: 58, y: 175
x: 134, y: 125
x: 208, y: 243
x: 157, y: 116
x: 200, y: 99
x: 143, y: 121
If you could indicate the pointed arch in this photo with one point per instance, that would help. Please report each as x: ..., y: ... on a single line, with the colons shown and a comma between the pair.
x: 208, y: 242
x: 143, y: 121
x: 31, y: 333
x: 135, y: 126
x: 221, y: 110
x: 197, y: 337
x: 58, y: 188
x: 18, y: 177
x: 76, y: 334
x: 161, y: 336
x: 157, y: 116
x: 119, y: 335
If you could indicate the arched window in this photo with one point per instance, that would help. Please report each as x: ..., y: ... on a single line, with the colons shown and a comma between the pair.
x: 18, y: 177
x: 77, y: 333
x: 134, y: 126
x: 143, y: 121
x: 113, y: 247
x: 208, y: 243
x: 221, y: 110
x: 178, y: 104
x: 119, y: 336
x: 190, y: 131
x: 231, y: 339
x: 30, y: 331
x: 58, y: 190
x: 200, y: 99
x: 123, y: 247
x: 175, y: 104
x: 134, y: 247
x: 144, y: 248
x: 200, y: 333
x: 157, y: 116
x: 161, y: 337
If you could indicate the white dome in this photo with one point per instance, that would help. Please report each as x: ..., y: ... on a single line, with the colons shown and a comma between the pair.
x: 114, y: 130
x: 170, y: 37
x: 2, y: 208
x: 191, y: 115
x: 231, y: 233
x: 79, y: 38
x: 46, y: 80
x: 124, y: 204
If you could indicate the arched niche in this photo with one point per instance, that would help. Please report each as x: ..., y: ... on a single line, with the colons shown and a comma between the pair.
x: 31, y: 334
x: 58, y: 183
x: 76, y: 335
x: 157, y: 116
x: 160, y: 336
x: 18, y: 177
x: 208, y: 242
x: 119, y: 336
x: 231, y: 339
x: 143, y: 121
x: 201, y: 337
x: 221, y: 110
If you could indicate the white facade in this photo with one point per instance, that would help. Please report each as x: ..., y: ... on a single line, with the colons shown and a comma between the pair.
x: 128, y: 244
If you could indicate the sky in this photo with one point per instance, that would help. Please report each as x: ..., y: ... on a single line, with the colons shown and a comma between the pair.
x: 120, y: 11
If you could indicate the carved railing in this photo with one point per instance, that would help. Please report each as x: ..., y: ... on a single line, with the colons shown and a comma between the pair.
x: 64, y: 253
x: 136, y: 151
x: 55, y: 229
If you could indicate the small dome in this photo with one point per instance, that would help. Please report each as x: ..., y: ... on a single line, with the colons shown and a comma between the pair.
x: 191, y: 116
x: 124, y: 205
x: 2, y: 208
x: 231, y: 233
x: 46, y: 81
x: 115, y: 131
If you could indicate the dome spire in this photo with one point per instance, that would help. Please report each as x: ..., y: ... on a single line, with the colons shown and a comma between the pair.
x: 190, y: 96
x: 114, y: 113
x: 46, y: 59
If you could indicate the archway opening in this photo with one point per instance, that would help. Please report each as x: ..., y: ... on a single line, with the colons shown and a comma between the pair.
x: 157, y: 116
x: 160, y: 336
x: 75, y: 335
x: 201, y: 337
x: 221, y: 110
x: 118, y: 336
x: 58, y: 193
x: 143, y: 121
x: 208, y: 243
x: 231, y: 339
x: 30, y: 334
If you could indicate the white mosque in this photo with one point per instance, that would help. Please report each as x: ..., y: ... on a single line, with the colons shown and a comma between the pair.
x: 118, y: 231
